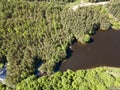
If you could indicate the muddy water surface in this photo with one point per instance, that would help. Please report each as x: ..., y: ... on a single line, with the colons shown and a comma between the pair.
x: 103, y: 51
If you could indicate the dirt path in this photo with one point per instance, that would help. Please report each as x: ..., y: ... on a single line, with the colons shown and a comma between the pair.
x: 88, y: 4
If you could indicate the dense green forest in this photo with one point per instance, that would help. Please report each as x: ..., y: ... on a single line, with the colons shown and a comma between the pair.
x: 85, y: 20
x: 114, y: 13
x: 114, y: 9
x: 40, y: 31
x: 95, y: 0
x: 94, y: 79
x: 91, y: 79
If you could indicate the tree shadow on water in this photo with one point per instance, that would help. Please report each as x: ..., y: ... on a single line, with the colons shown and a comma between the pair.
x: 69, y: 54
x: 38, y: 63
x: 91, y: 40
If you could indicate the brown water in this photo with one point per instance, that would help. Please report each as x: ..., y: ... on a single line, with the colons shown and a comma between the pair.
x: 103, y: 51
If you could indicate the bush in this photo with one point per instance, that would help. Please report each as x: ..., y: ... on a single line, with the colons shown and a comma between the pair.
x: 86, y: 38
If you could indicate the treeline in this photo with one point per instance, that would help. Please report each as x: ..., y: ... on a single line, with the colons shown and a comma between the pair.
x: 114, y: 8
x: 98, y: 0
x: 94, y: 79
x: 67, y: 1
x: 4, y: 87
x: 115, y: 1
x: 30, y: 33
x: 85, y: 20
x: 58, y: 1
x: 34, y: 32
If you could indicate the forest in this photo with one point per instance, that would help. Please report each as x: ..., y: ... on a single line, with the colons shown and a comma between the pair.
x: 92, y: 79
x: 34, y: 32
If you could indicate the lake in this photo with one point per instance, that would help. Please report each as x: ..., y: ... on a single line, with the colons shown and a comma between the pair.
x: 103, y: 51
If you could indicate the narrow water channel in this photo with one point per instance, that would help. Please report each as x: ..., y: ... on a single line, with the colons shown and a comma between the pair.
x: 103, y: 51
